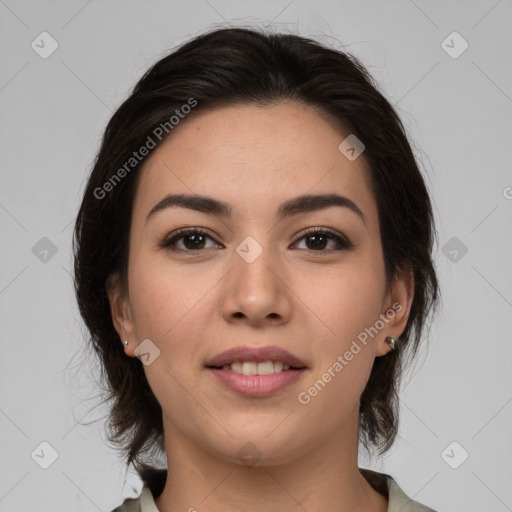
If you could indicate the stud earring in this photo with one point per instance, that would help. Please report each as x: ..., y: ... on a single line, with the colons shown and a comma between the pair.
x: 125, y: 343
x: 392, y: 342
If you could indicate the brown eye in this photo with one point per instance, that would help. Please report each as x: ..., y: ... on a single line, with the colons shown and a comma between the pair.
x: 320, y: 237
x: 193, y: 240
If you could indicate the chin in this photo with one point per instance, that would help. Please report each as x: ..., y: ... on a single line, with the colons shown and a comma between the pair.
x: 257, y: 448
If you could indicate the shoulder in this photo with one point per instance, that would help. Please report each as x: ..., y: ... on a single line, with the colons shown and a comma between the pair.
x: 399, y: 501
x: 144, y: 503
x: 129, y: 505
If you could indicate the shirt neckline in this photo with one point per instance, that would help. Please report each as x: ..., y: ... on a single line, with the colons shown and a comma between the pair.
x: 397, y: 499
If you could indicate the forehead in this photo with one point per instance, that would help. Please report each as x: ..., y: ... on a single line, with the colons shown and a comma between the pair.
x: 251, y: 156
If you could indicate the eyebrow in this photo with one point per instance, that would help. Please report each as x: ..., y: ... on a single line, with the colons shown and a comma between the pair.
x: 302, y: 204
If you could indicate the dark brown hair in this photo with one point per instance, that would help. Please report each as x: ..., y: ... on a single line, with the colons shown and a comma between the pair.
x: 226, y: 67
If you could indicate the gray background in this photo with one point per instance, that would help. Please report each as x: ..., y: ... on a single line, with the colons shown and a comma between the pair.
x: 457, y: 111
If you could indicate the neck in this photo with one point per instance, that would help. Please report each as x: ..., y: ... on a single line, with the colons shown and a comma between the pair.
x: 326, y: 478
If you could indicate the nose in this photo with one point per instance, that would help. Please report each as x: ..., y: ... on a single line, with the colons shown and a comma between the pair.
x: 256, y: 290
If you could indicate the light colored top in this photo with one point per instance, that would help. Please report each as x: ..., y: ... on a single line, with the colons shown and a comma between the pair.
x: 398, y: 500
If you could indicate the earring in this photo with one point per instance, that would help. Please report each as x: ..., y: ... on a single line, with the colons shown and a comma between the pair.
x: 125, y: 343
x: 391, y: 341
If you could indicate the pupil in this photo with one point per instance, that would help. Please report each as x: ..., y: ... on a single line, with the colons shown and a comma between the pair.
x: 195, y: 237
x: 317, y: 238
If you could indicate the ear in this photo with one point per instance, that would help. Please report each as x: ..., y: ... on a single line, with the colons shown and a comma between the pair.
x: 396, y: 307
x: 121, y: 312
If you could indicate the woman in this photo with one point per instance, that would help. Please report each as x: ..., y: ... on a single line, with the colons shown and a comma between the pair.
x: 253, y: 260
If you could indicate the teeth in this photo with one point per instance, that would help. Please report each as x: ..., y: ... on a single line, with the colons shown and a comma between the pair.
x: 236, y: 367
x: 265, y: 368
x: 249, y: 368
x: 252, y: 368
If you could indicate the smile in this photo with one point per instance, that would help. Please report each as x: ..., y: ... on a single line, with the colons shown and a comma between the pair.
x: 255, y: 385
x: 256, y: 371
x: 253, y: 368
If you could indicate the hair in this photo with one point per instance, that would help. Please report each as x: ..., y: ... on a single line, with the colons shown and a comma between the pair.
x: 225, y: 67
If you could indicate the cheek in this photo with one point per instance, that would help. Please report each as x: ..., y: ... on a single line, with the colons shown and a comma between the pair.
x: 344, y: 299
x: 348, y: 301
x: 344, y: 355
x: 170, y: 306
x: 359, y: 302
x: 164, y: 302
x: 170, y: 310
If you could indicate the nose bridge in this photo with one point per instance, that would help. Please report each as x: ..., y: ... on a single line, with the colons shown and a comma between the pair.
x: 252, y: 261
x: 254, y: 288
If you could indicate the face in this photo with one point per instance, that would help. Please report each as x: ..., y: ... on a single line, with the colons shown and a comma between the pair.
x: 255, y: 277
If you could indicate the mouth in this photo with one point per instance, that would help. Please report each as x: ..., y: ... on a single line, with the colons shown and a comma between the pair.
x: 275, y: 355
x: 254, y: 368
x: 256, y: 372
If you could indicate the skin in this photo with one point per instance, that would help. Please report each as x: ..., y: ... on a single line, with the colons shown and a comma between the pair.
x: 195, y: 305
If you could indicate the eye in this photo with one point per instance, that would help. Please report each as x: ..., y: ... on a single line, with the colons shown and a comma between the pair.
x: 193, y: 240
x: 320, y: 236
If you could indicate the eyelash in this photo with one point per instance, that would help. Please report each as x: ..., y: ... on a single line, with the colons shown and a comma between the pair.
x: 168, y: 243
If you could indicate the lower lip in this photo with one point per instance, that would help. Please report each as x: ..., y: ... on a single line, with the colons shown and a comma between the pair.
x: 257, y: 385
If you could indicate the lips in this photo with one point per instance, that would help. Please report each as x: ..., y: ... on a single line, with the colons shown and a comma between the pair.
x: 247, y: 370
x: 254, y: 354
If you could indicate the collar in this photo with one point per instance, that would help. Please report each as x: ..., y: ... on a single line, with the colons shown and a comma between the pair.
x: 398, y: 500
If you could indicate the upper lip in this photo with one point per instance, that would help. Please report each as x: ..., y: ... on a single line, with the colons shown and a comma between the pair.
x: 255, y: 354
